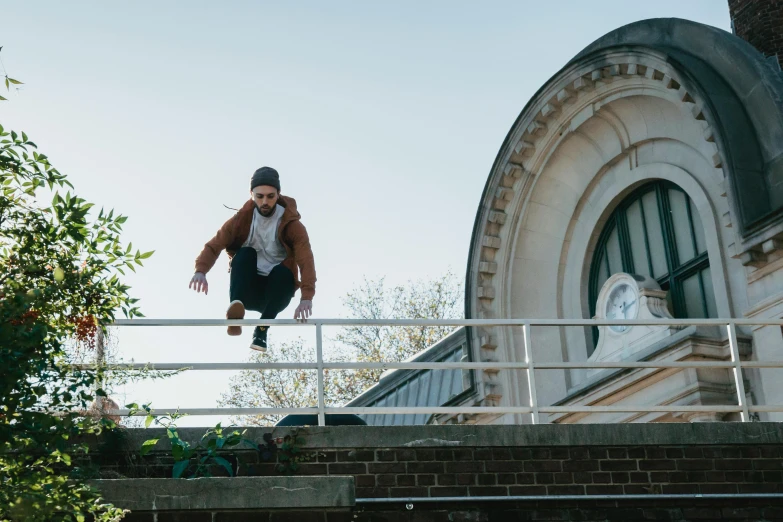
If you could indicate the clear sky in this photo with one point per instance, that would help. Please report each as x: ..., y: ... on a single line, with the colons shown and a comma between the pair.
x: 383, y: 120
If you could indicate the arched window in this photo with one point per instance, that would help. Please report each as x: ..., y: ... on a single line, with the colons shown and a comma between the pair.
x: 657, y: 232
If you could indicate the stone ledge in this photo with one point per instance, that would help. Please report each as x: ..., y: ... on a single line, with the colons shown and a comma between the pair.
x: 158, y: 494
x: 355, y: 437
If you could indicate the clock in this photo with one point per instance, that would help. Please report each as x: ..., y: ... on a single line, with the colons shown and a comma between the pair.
x: 622, y: 303
x: 629, y: 296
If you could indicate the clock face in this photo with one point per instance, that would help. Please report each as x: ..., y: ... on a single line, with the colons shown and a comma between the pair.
x: 622, y: 303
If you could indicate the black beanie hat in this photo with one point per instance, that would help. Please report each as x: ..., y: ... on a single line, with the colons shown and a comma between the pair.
x: 265, y: 176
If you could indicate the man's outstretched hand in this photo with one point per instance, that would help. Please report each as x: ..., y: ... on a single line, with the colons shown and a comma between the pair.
x: 304, y: 310
x: 199, y: 283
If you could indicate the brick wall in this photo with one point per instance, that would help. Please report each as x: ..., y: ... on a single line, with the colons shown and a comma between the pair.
x: 505, y: 461
x: 484, y: 471
x: 759, y: 22
x: 551, y: 461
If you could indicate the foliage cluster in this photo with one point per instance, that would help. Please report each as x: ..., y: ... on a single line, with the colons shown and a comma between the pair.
x: 59, y: 281
x: 216, y: 444
x: 192, y: 461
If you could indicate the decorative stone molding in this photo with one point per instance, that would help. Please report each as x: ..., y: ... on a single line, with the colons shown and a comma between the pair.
x: 523, y: 156
x: 753, y: 258
x: 661, y: 386
x: 570, y: 99
x: 762, y: 253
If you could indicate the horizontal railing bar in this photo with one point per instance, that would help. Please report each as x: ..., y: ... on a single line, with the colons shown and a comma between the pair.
x: 771, y: 408
x: 731, y: 323
x: 636, y: 364
x: 631, y: 408
x: 761, y: 364
x: 199, y: 366
x: 445, y: 322
x: 390, y: 410
x: 214, y: 411
x: 547, y: 409
x: 429, y: 365
x: 330, y: 410
x: 561, y: 498
x: 656, y: 364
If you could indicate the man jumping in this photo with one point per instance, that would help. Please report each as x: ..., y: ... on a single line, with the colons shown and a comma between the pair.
x: 268, y: 246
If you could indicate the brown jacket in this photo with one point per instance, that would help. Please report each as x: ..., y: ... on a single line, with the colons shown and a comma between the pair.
x: 291, y: 233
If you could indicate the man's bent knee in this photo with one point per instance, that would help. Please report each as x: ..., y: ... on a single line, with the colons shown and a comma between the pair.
x: 245, y: 254
x: 281, y: 271
x: 282, y: 284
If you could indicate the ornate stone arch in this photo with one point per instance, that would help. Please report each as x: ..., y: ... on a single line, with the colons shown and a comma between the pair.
x: 583, y: 119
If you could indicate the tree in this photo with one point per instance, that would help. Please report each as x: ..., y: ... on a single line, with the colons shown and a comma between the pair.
x: 437, y: 298
x: 58, y: 283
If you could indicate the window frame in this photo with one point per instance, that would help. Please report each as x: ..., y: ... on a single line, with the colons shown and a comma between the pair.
x: 677, y: 272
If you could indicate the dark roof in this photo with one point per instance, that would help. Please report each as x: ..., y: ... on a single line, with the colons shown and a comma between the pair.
x: 420, y: 387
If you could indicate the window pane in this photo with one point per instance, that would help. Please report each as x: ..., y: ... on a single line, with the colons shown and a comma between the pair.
x: 698, y: 229
x: 654, y: 234
x: 682, y: 226
x: 633, y: 216
x: 601, y: 274
x: 694, y: 305
x: 613, y: 252
x: 706, y: 279
x: 604, y: 269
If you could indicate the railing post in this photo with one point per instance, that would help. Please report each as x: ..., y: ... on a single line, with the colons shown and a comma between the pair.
x: 738, y: 381
x: 100, y: 365
x: 319, y: 359
x: 531, y: 372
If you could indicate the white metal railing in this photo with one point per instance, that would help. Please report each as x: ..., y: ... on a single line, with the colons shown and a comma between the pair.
x: 534, y: 409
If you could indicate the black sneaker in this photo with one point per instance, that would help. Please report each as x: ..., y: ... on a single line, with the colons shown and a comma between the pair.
x: 259, y: 339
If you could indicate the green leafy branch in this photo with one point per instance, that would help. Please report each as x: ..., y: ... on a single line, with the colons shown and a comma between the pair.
x: 8, y: 81
x: 88, y: 251
x: 192, y: 461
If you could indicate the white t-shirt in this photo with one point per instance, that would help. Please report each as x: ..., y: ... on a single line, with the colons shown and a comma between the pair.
x: 263, y: 238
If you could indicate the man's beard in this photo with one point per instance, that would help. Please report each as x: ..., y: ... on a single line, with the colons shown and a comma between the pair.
x: 266, y: 212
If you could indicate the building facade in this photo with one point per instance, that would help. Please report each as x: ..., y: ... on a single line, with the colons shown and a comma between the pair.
x: 643, y: 180
x: 657, y: 152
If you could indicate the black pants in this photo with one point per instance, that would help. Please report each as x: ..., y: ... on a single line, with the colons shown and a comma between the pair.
x: 266, y: 294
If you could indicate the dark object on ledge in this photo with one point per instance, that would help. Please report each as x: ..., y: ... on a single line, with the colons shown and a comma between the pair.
x: 338, y: 419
